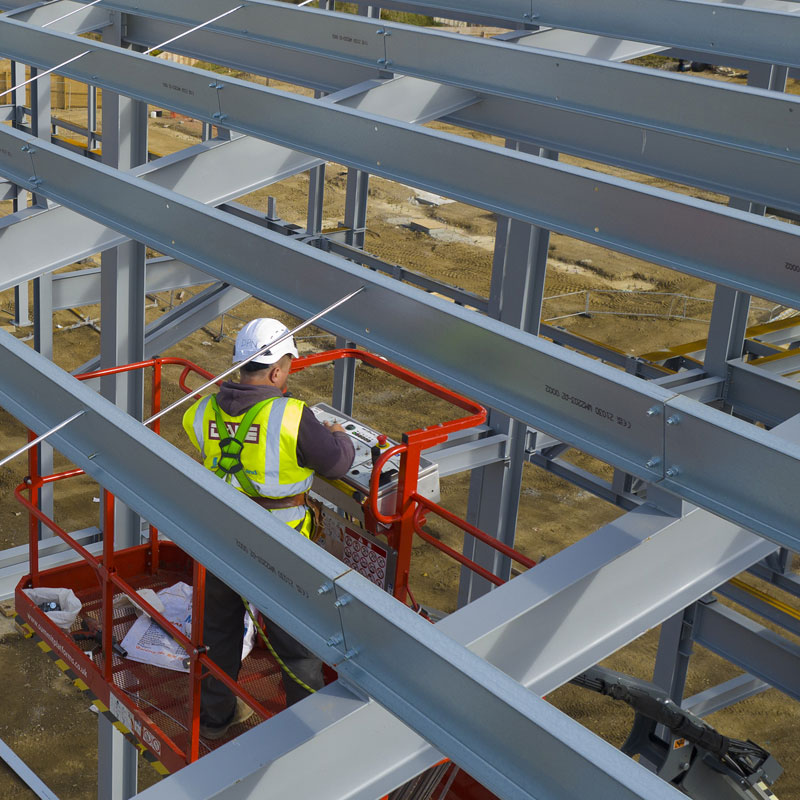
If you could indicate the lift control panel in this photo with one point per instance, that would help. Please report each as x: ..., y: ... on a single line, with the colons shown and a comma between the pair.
x: 369, y: 444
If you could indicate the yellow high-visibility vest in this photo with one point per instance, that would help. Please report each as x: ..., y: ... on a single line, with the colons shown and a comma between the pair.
x: 269, y: 454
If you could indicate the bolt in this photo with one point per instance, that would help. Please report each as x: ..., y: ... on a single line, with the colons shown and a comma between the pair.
x: 653, y: 412
x: 335, y: 640
x: 673, y: 420
x: 93, y: 455
x: 325, y: 588
x: 351, y: 653
x: 342, y: 601
x: 652, y: 462
x: 384, y: 32
x: 673, y: 471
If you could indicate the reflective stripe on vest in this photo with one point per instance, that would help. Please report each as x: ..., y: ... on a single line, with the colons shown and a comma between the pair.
x: 270, y: 453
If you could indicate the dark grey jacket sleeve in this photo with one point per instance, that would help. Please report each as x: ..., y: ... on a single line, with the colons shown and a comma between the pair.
x: 328, y: 454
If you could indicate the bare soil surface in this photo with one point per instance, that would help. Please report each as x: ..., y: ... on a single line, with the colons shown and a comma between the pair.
x: 48, y: 723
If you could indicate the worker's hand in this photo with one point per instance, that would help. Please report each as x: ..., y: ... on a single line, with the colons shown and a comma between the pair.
x: 334, y: 427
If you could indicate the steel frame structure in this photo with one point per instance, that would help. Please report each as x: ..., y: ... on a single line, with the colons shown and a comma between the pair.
x: 376, y: 85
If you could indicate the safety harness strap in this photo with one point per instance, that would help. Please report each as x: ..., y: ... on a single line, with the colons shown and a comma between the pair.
x: 230, y: 462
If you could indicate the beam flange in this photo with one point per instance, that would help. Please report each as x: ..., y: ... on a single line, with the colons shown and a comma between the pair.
x: 297, y: 585
x: 737, y: 249
x: 611, y: 415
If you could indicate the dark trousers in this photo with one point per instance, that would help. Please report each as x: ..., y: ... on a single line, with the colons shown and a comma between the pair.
x: 223, y: 631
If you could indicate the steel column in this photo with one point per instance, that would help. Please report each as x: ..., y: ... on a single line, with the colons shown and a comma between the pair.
x: 674, y: 651
x: 122, y: 278
x: 729, y: 315
x: 518, y: 278
x: 116, y: 762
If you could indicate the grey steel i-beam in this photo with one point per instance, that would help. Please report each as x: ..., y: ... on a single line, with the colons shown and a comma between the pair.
x: 586, y: 106
x: 615, y: 137
x: 611, y: 212
x: 645, y: 430
x: 544, y: 627
x: 748, y: 28
x: 186, y: 502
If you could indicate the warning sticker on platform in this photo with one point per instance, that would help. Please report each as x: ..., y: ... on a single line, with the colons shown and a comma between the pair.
x: 120, y: 711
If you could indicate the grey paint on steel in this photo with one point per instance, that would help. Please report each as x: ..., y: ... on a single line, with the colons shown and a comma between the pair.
x: 282, y: 573
x: 593, y: 407
x: 645, y: 222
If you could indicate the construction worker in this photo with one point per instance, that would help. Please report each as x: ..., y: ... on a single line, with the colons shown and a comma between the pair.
x: 267, y: 445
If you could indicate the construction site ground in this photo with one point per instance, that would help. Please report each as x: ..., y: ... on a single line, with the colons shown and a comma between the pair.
x: 51, y: 725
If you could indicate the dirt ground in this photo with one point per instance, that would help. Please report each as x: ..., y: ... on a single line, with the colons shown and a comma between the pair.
x: 48, y: 723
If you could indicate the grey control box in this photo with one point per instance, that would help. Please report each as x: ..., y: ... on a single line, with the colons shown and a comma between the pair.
x: 358, y: 477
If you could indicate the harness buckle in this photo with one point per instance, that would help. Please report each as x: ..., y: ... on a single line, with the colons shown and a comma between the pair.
x: 233, y: 459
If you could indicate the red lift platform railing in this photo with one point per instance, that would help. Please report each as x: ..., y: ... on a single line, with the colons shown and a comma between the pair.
x: 161, y: 707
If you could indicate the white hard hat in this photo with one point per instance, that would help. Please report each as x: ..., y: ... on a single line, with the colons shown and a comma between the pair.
x: 258, y: 332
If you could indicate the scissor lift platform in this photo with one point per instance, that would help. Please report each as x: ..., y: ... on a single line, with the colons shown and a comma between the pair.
x: 153, y: 703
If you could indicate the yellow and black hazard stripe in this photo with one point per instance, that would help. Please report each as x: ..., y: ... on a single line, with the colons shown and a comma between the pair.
x: 767, y: 791
x: 78, y: 682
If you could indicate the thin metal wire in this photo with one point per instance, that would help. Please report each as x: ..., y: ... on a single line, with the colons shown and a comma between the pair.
x: 192, y: 30
x: 260, y: 351
x: 41, y: 438
x: 70, y: 13
x: 46, y: 72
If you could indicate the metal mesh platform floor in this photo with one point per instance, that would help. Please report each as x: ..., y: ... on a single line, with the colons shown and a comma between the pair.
x: 163, y: 694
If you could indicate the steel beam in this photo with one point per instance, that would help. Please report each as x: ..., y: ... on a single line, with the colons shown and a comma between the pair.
x: 725, y: 694
x: 608, y: 98
x: 611, y: 212
x: 25, y: 773
x: 616, y: 139
x: 175, y: 325
x: 756, y: 394
x: 82, y: 287
x: 568, y: 126
x: 306, y: 591
x: 750, y: 28
x: 593, y: 407
x: 751, y: 646
x: 543, y: 627
x: 65, y: 16
x: 212, y: 172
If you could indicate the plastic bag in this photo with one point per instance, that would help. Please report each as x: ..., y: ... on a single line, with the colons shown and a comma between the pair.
x: 70, y: 605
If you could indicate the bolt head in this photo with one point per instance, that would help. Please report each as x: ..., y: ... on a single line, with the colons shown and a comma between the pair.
x: 654, y: 411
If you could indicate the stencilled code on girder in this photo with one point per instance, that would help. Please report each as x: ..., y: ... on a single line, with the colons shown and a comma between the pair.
x: 587, y: 406
x: 343, y: 37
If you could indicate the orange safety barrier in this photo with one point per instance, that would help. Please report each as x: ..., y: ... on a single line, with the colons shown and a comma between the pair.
x: 157, y: 563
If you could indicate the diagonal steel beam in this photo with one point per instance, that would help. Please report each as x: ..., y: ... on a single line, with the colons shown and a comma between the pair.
x: 187, y: 503
x: 737, y: 249
x: 756, y: 29
x: 644, y: 98
x: 674, y: 138
x: 613, y: 416
x: 211, y: 172
x: 543, y: 628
